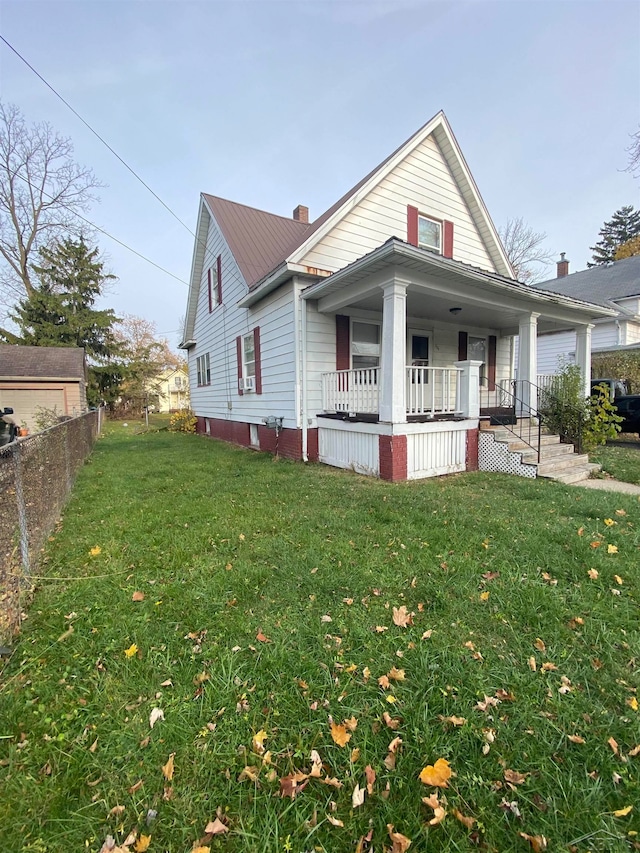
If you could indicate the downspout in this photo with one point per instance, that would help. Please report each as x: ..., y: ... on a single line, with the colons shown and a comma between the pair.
x: 619, y: 333
x: 305, y: 454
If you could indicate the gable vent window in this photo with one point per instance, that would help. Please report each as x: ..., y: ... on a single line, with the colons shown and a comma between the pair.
x: 430, y: 234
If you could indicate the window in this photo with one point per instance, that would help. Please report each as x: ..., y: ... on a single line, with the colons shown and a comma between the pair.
x: 477, y: 351
x: 177, y: 381
x: 429, y: 234
x: 249, y: 362
x: 212, y: 287
x: 204, y: 369
x: 248, y: 356
x: 365, y: 345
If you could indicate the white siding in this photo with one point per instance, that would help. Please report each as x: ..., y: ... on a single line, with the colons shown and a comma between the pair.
x: 557, y: 346
x: 631, y: 332
x: 422, y: 180
x: 430, y: 454
x: 216, y: 333
x: 347, y: 448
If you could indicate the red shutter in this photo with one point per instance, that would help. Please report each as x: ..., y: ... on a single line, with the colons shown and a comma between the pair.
x: 343, y: 346
x: 412, y: 225
x: 462, y: 346
x: 491, y: 362
x: 239, y: 356
x: 256, y: 355
x: 219, y: 265
x: 209, y: 289
x: 448, y: 239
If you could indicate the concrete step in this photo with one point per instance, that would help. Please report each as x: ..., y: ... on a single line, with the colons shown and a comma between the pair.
x: 575, y: 475
x: 549, y: 453
x: 562, y: 463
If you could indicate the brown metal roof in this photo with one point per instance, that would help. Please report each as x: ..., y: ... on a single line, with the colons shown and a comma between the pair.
x: 58, y: 362
x: 259, y: 241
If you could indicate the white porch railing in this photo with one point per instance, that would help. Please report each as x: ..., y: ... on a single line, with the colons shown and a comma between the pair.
x: 429, y: 391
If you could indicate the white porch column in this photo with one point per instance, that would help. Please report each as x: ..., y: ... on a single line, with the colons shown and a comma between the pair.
x: 526, y: 386
x: 469, y: 388
x: 583, y: 355
x: 393, y: 353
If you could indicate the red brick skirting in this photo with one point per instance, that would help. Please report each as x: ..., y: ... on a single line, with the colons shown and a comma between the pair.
x: 393, y: 457
x: 288, y: 442
x: 472, y: 450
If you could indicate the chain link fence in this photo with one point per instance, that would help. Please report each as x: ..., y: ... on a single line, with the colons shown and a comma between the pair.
x: 36, y: 476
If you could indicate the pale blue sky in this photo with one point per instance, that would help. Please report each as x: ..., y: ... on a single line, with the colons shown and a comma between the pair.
x: 275, y: 104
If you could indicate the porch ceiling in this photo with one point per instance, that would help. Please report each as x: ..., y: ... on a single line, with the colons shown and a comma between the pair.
x: 437, y: 284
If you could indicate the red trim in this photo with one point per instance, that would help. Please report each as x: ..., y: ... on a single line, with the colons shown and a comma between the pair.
x: 491, y: 362
x: 219, y: 270
x: 448, y: 239
x: 412, y: 225
x: 256, y: 355
x: 239, y: 359
x: 209, y: 290
x: 463, y: 338
x: 392, y: 450
x: 471, y: 461
x: 343, y: 346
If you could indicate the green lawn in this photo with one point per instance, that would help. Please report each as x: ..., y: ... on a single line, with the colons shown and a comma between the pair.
x: 270, y: 590
x: 620, y: 459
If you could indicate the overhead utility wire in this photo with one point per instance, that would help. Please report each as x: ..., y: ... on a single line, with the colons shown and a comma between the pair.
x: 96, y: 134
x: 102, y: 231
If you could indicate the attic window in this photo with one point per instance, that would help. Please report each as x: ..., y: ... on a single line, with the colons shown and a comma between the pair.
x: 430, y: 234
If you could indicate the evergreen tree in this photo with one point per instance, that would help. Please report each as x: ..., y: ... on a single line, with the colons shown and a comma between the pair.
x: 61, y: 312
x: 622, y: 227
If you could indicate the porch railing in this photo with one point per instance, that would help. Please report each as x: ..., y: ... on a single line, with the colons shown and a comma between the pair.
x: 429, y: 391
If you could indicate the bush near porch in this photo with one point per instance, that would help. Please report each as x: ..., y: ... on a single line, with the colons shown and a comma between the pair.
x: 250, y: 600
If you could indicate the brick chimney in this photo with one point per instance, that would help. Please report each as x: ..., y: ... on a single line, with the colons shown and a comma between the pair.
x: 563, y: 266
x: 301, y: 213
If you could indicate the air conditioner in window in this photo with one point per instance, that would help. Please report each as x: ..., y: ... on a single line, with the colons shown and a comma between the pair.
x: 247, y: 383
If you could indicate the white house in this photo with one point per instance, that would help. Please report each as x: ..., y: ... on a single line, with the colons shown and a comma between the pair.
x: 173, y: 389
x: 369, y: 338
x: 616, y: 286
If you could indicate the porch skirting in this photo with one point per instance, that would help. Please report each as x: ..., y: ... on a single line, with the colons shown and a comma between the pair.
x: 395, y: 452
x: 287, y: 443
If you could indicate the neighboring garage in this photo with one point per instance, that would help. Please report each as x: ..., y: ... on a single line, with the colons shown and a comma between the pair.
x: 33, y: 378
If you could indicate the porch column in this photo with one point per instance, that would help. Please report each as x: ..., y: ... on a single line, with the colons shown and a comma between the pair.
x: 392, y: 408
x: 583, y: 355
x: 469, y: 388
x: 526, y: 376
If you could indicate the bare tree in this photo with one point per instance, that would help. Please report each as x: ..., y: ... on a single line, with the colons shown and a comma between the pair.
x: 42, y: 192
x: 634, y: 155
x: 524, y: 249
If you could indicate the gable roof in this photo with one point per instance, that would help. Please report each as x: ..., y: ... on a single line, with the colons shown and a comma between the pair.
x: 600, y: 284
x: 258, y: 240
x: 41, y: 362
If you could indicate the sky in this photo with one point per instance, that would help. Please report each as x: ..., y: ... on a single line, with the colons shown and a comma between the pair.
x: 275, y: 103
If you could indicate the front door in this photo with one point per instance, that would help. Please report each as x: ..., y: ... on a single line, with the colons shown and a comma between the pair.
x: 418, y: 351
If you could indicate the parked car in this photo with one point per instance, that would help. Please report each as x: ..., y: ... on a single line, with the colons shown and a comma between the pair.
x: 8, y: 427
x: 617, y: 387
x: 628, y: 408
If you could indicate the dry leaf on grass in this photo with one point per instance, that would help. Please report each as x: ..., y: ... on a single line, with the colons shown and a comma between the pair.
x: 216, y: 827
x: 623, y: 812
x: 514, y: 777
x: 168, y: 768
x: 142, y: 844
x: 131, y: 651
x: 155, y: 715
x: 334, y: 820
x: 316, y: 765
x: 438, y: 809
x: 396, y: 674
x: 467, y: 821
x: 401, y: 617
x: 137, y: 596
x: 437, y: 774
x: 357, y: 798
x: 257, y: 742
x: 540, y: 645
x: 537, y: 842
x: 455, y: 721
x: 400, y: 843
x: 392, y: 722
x: 370, y: 774
x: 262, y: 638
x: 292, y: 784
x: 340, y: 734
x: 575, y: 739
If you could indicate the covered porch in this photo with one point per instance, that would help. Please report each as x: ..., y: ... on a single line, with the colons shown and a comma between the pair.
x: 423, y: 342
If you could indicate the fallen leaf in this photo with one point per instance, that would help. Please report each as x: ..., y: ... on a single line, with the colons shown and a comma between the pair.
x: 623, y: 812
x: 612, y: 549
x: 136, y: 786
x: 396, y: 674
x: 395, y: 745
x: 334, y: 820
x: 539, y: 644
x: 137, y: 596
x: 491, y: 576
x: 455, y: 721
x: 635, y: 751
x: 512, y: 807
x: 633, y: 703
x: 168, y: 768
x: 326, y: 618
x: 249, y: 772
x: 351, y: 724
x: 95, y: 551
x: 384, y: 682
x: 467, y: 821
x: 434, y: 803
x: 401, y: 618
x: 484, y: 596
x: 576, y: 739
x: 593, y: 573
x: 370, y: 774
x: 436, y: 774
x: 514, y: 777
x: 400, y: 843
x: 293, y: 784
x: 391, y: 722
x: 131, y: 651
x: 355, y: 755
x: 548, y: 667
x: 357, y: 798
x: 116, y: 811
x: 537, y: 842
x: 427, y: 634
x: 257, y: 742
x: 614, y: 745
x: 487, y: 702
x: 340, y: 734
x: 216, y: 827
x: 66, y: 634
x: 261, y: 638
x: 618, y: 580
x: 380, y: 629
x: 167, y: 683
x: 142, y: 844
x: 532, y: 664
x: 155, y: 715
x: 504, y: 695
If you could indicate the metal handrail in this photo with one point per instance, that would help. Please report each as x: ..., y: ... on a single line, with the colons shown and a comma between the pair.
x: 504, y: 394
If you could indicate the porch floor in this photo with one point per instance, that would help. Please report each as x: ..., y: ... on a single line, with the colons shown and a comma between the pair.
x: 369, y: 418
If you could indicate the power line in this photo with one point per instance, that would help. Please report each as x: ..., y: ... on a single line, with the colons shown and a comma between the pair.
x: 97, y: 135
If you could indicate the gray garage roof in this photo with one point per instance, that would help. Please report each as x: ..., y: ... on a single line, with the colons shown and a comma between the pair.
x: 40, y: 362
x: 601, y: 284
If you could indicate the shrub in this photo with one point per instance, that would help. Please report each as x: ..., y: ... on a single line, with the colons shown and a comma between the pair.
x: 45, y: 418
x: 183, y: 421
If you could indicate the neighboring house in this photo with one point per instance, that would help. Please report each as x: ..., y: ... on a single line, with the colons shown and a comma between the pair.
x: 616, y: 286
x: 369, y: 338
x: 173, y: 389
x: 42, y: 377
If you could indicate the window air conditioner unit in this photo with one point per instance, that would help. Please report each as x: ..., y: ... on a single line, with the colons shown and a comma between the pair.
x: 247, y: 383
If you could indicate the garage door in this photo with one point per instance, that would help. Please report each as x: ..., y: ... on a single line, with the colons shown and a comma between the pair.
x: 25, y: 403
